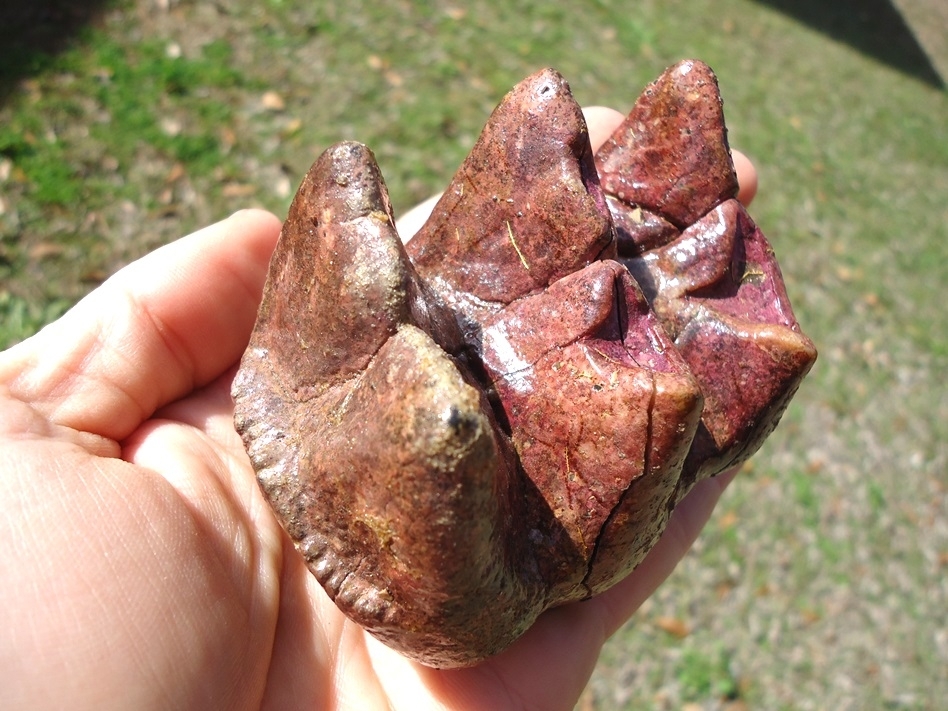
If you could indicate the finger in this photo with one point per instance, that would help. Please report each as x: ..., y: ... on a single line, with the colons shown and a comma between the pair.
x: 601, y: 122
x: 164, y: 325
x: 746, y: 177
x: 409, y: 223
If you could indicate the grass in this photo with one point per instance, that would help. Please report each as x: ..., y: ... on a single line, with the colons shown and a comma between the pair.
x: 132, y: 89
x: 706, y: 675
x: 819, y: 584
x: 21, y: 319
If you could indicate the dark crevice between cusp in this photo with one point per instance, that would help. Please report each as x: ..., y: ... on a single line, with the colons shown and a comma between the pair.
x: 622, y: 316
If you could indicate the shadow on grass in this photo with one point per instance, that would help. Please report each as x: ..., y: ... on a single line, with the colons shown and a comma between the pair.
x: 873, y: 27
x: 32, y: 32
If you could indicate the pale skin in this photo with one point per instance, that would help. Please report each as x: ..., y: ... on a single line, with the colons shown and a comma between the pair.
x: 142, y: 568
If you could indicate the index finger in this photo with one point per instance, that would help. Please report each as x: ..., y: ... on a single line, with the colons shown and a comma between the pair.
x: 159, y: 328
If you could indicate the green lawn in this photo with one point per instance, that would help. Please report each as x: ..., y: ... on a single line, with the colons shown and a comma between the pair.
x: 820, y: 582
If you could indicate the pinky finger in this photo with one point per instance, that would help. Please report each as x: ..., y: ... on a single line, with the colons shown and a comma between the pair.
x: 746, y: 177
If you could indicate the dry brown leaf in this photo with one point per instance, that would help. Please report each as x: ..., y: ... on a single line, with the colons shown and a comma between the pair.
x: 176, y: 173
x: 238, y: 190
x: 674, y: 626
x: 42, y: 250
x: 727, y: 520
x: 272, y: 101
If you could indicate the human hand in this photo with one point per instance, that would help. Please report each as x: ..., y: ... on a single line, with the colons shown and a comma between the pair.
x: 143, y: 567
